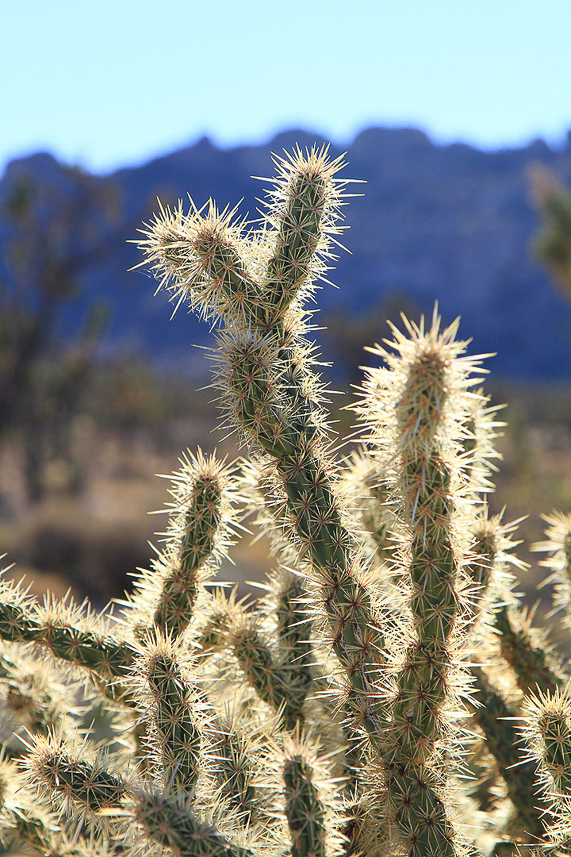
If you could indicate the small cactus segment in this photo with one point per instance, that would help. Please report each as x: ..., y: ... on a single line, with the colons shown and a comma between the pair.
x: 200, y: 258
x: 174, y: 824
x: 294, y: 630
x: 303, y: 212
x: 492, y: 555
x: 304, y: 810
x: 200, y: 532
x: 202, y: 518
x: 558, y: 544
x: 548, y: 736
x: 175, y: 714
x: 67, y: 775
x: 68, y: 633
x: 278, y: 684
x: 234, y: 767
x: 497, y: 721
x: 526, y: 652
x: 418, y: 406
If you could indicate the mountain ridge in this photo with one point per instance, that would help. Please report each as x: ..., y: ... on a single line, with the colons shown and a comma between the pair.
x: 450, y: 223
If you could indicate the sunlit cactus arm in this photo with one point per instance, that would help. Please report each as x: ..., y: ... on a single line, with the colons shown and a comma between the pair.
x: 492, y: 554
x: 202, y: 521
x: 23, y: 818
x: 558, y: 545
x: 302, y: 216
x: 547, y: 733
x: 234, y: 766
x: 529, y: 654
x: 289, y: 440
x: 203, y: 259
x: 69, y: 633
x: 277, y: 683
x: 365, y: 480
x: 304, y: 810
x: 71, y: 778
x: 417, y: 406
x: 254, y: 400
x: 178, y: 716
x: 311, y: 805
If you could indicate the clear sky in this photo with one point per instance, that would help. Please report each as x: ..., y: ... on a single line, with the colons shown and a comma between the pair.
x: 115, y: 82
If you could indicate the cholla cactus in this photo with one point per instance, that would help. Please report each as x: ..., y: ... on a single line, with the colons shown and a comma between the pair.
x: 337, y: 714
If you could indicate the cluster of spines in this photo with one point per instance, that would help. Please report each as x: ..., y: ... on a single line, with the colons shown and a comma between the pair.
x: 557, y: 545
x: 417, y: 407
x: 202, y: 522
x: 547, y: 734
x: 74, y: 635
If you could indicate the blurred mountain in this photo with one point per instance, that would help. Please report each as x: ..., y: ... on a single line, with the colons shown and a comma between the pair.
x: 447, y: 223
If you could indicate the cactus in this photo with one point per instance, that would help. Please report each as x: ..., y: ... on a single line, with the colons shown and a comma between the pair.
x: 338, y: 713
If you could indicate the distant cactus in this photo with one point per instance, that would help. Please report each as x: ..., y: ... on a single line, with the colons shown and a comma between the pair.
x: 337, y: 715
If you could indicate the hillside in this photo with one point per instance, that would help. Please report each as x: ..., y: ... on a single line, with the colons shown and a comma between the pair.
x: 446, y: 223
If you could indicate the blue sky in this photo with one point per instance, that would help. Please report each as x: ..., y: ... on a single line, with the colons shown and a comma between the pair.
x: 106, y: 84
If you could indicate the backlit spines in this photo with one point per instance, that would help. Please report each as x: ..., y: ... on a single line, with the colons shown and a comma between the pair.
x: 304, y: 809
x: 73, y: 777
x: 275, y: 678
x: 173, y: 822
x: 202, y: 523
x: 416, y: 407
x: 177, y: 714
x: 69, y: 633
x: 557, y: 545
x: 499, y: 723
x: 547, y: 729
x: 326, y: 717
x: 203, y: 259
x: 303, y: 218
x: 261, y: 407
x: 235, y: 765
x: 527, y: 651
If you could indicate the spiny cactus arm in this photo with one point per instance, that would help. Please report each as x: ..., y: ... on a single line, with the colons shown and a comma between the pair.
x: 220, y: 615
x: 23, y: 818
x: 558, y: 545
x: 253, y: 399
x: 204, y: 259
x: 68, y: 633
x: 531, y: 659
x: 277, y: 684
x: 173, y: 824
x: 235, y: 772
x: 202, y: 523
x: 176, y: 711
x: 69, y: 778
x: 492, y: 554
x: 355, y: 631
x: 304, y: 810
x: 311, y: 805
x: 425, y: 387
x: 303, y: 211
x: 547, y: 733
x: 498, y: 722
x: 366, y: 481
